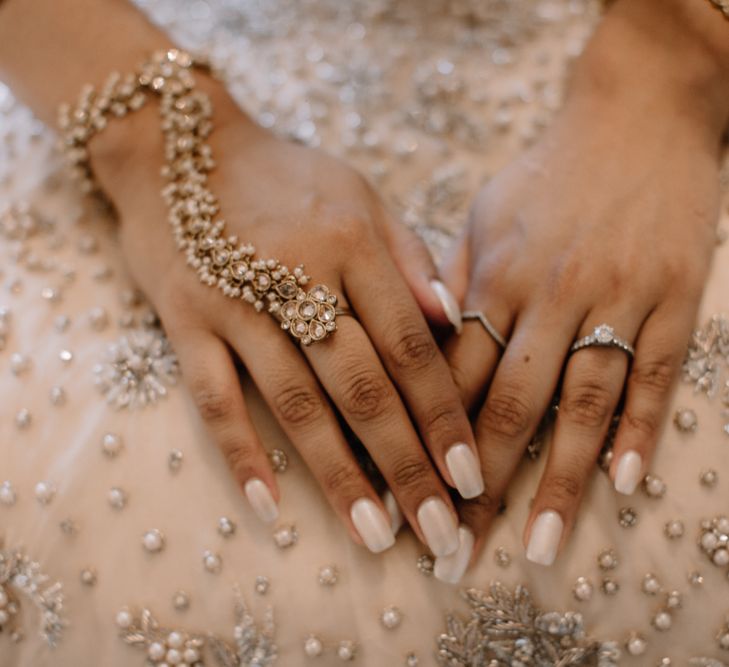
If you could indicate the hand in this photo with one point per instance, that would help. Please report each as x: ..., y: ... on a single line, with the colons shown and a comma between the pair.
x: 382, y: 371
x: 609, y: 219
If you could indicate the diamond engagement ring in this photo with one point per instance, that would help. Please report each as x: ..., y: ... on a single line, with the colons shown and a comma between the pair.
x: 490, y: 328
x: 603, y: 336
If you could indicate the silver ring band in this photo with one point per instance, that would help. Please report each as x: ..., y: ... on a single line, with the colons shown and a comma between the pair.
x: 490, y: 328
x: 603, y: 336
x: 344, y: 312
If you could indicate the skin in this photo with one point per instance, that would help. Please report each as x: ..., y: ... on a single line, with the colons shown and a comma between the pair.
x: 382, y: 370
x: 562, y: 240
x: 610, y: 218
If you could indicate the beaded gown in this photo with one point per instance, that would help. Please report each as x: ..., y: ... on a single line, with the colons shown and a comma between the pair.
x: 126, y: 541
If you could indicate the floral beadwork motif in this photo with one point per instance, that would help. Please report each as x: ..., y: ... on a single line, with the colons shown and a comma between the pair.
x: 707, y: 362
x: 506, y: 628
x: 22, y: 578
x: 139, y: 368
x: 252, y: 645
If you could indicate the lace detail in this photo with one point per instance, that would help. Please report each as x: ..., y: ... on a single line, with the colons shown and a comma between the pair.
x: 506, y: 629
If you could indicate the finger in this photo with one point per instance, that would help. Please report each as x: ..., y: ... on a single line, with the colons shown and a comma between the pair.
x: 412, y: 258
x: 659, y: 353
x: 521, y: 391
x: 211, y: 376
x: 352, y: 375
x: 591, y: 389
x: 411, y: 357
x: 301, y: 408
x: 455, y: 267
x: 474, y: 355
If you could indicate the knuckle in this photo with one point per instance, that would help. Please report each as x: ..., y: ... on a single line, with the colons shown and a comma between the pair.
x: 414, y: 349
x: 506, y: 413
x: 239, y: 460
x: 442, y: 419
x: 339, y: 477
x: 298, y: 405
x: 409, y: 472
x: 367, y: 395
x: 656, y: 374
x: 590, y: 404
x: 647, y: 424
x: 563, y: 487
x: 214, y: 403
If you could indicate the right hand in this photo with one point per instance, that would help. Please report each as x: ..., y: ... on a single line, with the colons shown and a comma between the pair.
x: 382, y: 371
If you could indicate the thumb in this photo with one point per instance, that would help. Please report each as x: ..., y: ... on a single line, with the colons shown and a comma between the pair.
x: 415, y: 263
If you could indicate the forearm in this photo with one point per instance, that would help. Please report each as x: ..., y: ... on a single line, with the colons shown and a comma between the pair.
x: 660, y: 57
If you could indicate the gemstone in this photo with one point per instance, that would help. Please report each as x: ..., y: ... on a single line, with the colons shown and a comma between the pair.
x: 288, y: 310
x: 287, y: 289
x: 300, y: 328
x: 319, y: 292
x: 307, y: 310
x: 317, y: 331
x: 238, y: 270
x: 604, y: 334
x: 326, y: 313
x: 262, y: 282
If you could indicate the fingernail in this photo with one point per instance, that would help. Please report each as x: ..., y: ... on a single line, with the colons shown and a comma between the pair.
x: 464, y: 469
x: 450, y: 569
x: 450, y: 306
x: 627, y: 474
x: 372, y: 525
x: 438, y: 526
x: 545, y: 537
x: 393, y: 509
x: 261, y: 500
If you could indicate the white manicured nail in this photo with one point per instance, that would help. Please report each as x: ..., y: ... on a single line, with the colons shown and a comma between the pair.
x: 627, y: 474
x: 393, y: 509
x: 545, y: 537
x: 261, y: 500
x: 372, y: 525
x: 450, y: 306
x: 438, y: 526
x: 464, y: 469
x: 451, y: 569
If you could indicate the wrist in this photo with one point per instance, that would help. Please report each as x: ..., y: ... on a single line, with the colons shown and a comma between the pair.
x: 655, y: 59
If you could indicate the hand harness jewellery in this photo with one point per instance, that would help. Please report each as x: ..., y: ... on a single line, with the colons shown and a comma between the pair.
x: 220, y: 261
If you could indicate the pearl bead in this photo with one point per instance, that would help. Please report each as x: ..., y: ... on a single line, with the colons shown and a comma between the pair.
x: 346, y: 650
x: 153, y: 540
x: 19, y: 363
x: 117, y: 498
x: 23, y: 418
x: 720, y: 557
x: 709, y: 541
x: 180, y: 600
x: 58, y: 396
x: 124, y: 619
x: 328, y: 575
x: 313, y: 647
x: 226, y: 527
x: 212, y: 561
x: 662, y: 621
x: 173, y: 657
x: 7, y: 493
x: 111, y: 444
x: 191, y: 656
x: 724, y: 640
x: 685, y: 420
x: 651, y: 585
x: 722, y: 524
x: 654, y: 486
x: 391, y: 617
x: 44, y: 492
x: 175, y: 640
x: 156, y: 651
x: 636, y: 645
x: 583, y: 589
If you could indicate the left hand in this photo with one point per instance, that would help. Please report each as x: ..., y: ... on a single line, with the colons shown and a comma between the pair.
x: 609, y: 219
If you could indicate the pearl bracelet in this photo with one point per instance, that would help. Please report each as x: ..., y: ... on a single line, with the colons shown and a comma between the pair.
x: 220, y: 261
